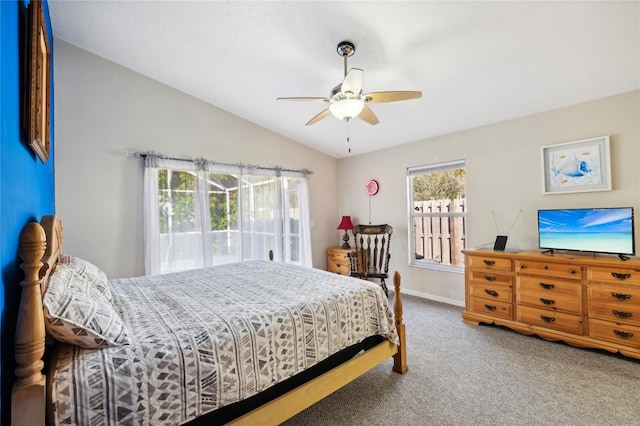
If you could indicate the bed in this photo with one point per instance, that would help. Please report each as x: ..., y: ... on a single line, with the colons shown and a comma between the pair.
x: 243, y: 343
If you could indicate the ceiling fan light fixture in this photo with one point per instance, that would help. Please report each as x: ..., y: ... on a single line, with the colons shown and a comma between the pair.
x: 346, y: 109
x: 347, y: 101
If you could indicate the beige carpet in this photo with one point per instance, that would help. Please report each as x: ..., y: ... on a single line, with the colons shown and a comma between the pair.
x: 465, y: 375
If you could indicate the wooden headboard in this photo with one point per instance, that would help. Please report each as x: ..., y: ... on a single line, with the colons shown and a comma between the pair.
x: 40, y: 244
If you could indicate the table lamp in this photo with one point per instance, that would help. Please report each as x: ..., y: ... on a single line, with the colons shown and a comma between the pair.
x: 345, y: 224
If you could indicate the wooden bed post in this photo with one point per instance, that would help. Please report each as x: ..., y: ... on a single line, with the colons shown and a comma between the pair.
x: 28, y: 398
x: 399, y: 359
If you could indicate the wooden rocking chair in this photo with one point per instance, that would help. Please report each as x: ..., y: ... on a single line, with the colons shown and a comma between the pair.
x: 371, y: 257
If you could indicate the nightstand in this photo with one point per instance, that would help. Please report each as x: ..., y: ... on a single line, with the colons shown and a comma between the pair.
x: 338, y: 260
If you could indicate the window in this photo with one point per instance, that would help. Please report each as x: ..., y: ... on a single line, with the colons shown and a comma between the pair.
x: 437, y: 215
x: 201, y: 214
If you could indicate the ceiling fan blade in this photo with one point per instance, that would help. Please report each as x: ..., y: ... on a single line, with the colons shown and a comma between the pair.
x: 319, y: 117
x: 379, y: 97
x: 367, y: 115
x: 304, y: 99
x: 353, y: 81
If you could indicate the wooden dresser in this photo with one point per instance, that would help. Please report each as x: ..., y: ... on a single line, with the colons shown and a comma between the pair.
x: 584, y: 300
x: 338, y: 260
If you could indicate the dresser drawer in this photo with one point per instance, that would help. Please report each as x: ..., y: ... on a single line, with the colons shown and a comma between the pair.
x: 493, y: 308
x: 552, y: 302
x: 489, y: 262
x: 339, y: 269
x: 549, y: 269
x: 617, y: 312
x: 621, y: 334
x: 338, y: 256
x: 622, y: 295
x: 490, y: 277
x: 551, y: 287
x: 550, y: 319
x: 338, y: 264
x: 491, y: 291
x: 613, y: 275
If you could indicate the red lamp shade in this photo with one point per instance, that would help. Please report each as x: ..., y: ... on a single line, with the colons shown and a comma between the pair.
x: 345, y: 223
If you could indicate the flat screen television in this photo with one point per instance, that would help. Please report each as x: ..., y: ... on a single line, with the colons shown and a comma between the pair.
x: 597, y: 230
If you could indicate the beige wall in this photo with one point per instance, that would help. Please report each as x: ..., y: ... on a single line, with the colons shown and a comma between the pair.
x: 102, y: 108
x: 503, y: 163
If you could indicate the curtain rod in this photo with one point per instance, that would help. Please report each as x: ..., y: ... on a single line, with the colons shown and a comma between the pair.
x: 246, y: 166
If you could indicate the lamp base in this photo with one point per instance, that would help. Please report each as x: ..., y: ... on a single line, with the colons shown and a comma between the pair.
x: 345, y: 238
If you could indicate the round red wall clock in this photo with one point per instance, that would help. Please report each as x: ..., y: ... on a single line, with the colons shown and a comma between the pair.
x: 372, y: 187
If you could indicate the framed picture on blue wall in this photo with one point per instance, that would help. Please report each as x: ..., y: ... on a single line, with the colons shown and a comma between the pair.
x: 38, y: 69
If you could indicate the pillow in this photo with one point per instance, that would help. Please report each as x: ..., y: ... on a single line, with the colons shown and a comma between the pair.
x: 90, y: 272
x: 80, y: 314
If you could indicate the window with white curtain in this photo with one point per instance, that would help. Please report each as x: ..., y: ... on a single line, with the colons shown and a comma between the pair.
x: 199, y: 214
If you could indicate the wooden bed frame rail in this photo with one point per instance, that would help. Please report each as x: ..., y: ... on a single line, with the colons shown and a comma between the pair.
x: 40, y: 246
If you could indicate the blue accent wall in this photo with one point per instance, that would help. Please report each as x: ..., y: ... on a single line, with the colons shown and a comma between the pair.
x: 27, y: 189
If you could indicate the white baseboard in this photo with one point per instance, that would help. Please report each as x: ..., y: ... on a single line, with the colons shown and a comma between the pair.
x: 433, y: 297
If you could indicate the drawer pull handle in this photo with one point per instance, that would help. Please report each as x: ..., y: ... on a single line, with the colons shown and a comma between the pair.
x: 623, y: 334
x: 572, y: 271
x: 490, y: 277
x: 490, y: 307
x: 621, y: 314
x: 547, y: 319
x: 489, y: 262
x: 620, y: 276
x: 547, y: 301
x: 338, y: 265
x: 547, y: 286
x: 621, y: 296
x: 491, y: 292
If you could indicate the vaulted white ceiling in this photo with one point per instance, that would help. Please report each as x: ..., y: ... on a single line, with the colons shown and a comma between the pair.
x: 475, y: 62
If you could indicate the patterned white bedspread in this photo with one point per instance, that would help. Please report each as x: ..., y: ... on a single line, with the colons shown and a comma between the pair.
x: 207, y: 338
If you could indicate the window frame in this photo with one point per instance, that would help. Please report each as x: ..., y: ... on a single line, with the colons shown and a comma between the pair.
x: 412, y: 215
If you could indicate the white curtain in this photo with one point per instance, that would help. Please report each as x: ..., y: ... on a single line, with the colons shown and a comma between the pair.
x: 151, y: 217
x: 258, y: 219
x: 254, y: 211
x: 202, y: 217
x: 305, y: 222
x: 304, y: 216
x: 169, y: 246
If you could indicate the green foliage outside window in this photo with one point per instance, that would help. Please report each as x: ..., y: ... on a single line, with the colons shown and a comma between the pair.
x: 177, y: 201
x: 177, y: 204
x: 440, y: 185
x: 223, y: 188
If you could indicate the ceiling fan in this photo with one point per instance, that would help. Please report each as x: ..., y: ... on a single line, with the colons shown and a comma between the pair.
x: 347, y: 101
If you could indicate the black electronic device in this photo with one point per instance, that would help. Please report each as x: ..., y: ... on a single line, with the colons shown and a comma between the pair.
x: 501, y: 243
